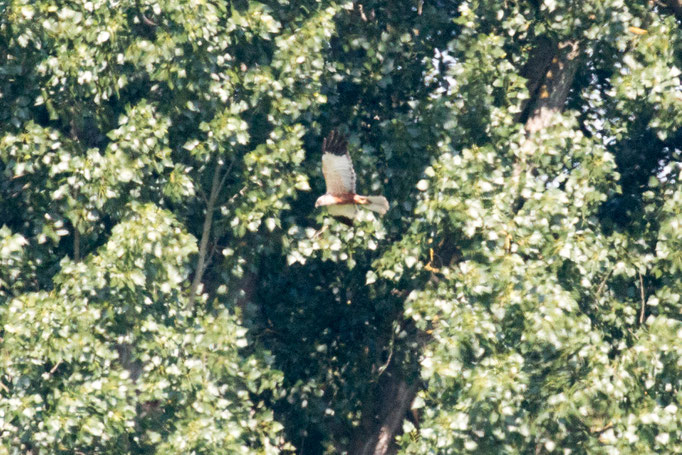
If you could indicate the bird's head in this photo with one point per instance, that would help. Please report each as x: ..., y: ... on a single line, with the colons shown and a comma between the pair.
x: 325, y: 199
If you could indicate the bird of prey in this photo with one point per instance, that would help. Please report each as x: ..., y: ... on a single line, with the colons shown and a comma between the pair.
x: 340, y: 198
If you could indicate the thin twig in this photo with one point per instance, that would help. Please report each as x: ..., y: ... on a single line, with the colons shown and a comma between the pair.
x: 54, y: 368
x: 390, y: 356
x: 148, y: 21
x: 603, y: 282
x: 238, y: 193
x: 214, y: 248
x: 202, y: 195
x: 641, y: 292
x: 320, y: 231
x: 602, y: 429
x: 4, y: 387
x: 227, y: 172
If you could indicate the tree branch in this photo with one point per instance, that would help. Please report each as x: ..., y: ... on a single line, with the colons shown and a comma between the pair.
x: 205, y: 235
x: 390, y: 356
x: 643, y: 296
x: 76, y: 244
x: 603, y: 282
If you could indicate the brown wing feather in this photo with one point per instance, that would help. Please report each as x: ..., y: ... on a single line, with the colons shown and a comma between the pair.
x: 337, y: 165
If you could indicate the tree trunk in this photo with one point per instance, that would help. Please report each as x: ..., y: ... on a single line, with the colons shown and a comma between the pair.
x: 554, y: 86
x: 535, y: 71
x: 676, y: 5
x: 550, y: 73
x: 383, y: 416
x: 549, y: 83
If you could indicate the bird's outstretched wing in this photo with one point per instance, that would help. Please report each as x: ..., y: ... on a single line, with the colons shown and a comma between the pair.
x: 337, y: 166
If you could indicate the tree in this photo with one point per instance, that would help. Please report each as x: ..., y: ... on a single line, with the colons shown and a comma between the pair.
x: 163, y: 288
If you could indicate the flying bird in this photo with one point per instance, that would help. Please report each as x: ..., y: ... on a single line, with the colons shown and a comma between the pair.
x: 340, y: 198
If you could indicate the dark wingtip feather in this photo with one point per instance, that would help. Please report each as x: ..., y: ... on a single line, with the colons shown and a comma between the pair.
x: 334, y: 143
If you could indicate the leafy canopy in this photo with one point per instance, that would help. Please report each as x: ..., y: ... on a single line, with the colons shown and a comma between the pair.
x: 165, y: 285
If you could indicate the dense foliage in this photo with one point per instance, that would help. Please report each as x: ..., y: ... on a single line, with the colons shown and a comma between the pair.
x: 166, y: 285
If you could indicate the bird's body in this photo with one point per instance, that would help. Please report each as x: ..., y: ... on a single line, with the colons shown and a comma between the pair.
x: 340, y: 199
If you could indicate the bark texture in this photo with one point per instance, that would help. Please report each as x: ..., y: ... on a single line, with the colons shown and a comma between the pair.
x: 383, y: 417
x: 554, y: 85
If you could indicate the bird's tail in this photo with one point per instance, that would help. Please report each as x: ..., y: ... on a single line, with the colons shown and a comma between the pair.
x: 377, y: 204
